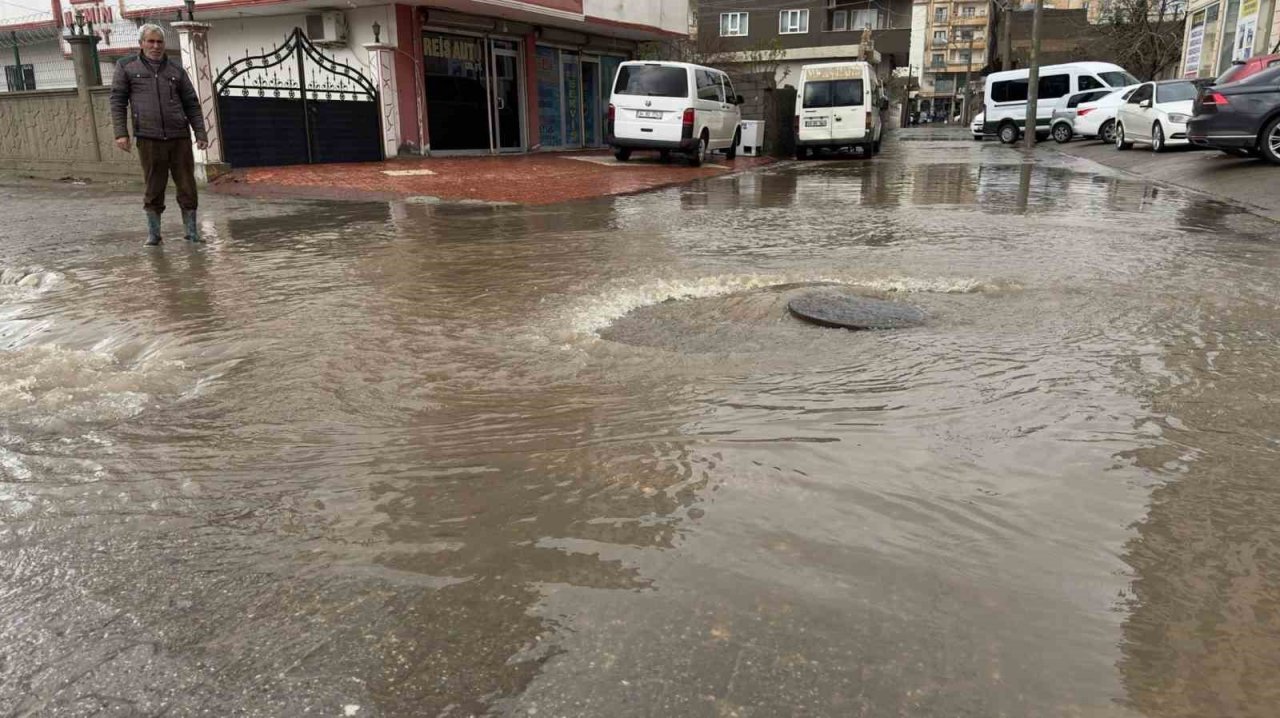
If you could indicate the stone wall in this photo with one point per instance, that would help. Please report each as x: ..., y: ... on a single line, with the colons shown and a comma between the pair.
x: 49, y: 131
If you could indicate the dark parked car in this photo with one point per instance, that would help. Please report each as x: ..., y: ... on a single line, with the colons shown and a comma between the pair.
x: 1240, y: 118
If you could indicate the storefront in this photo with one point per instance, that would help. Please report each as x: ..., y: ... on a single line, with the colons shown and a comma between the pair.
x: 573, y: 96
x: 474, y: 92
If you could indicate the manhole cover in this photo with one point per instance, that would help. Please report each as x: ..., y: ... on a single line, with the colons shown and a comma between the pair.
x: 850, y: 311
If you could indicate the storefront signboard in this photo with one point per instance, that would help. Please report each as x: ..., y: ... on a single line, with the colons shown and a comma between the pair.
x: 1195, y: 42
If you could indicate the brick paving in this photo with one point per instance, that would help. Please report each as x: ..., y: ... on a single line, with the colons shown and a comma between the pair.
x: 542, y: 178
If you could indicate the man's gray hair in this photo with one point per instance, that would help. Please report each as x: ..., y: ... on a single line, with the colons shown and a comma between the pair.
x: 149, y: 29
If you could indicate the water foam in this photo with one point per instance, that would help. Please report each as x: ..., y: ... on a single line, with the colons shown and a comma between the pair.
x: 595, y: 313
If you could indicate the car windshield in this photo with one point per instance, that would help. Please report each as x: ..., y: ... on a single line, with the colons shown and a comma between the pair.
x: 652, y: 81
x: 1118, y: 79
x: 1175, y: 92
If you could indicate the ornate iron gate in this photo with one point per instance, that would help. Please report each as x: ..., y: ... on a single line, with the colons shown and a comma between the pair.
x: 296, y: 105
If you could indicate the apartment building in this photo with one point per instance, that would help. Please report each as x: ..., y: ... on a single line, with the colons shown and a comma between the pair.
x: 793, y: 33
x: 957, y: 45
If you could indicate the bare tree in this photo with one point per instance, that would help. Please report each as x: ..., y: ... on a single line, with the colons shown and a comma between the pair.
x: 1144, y: 36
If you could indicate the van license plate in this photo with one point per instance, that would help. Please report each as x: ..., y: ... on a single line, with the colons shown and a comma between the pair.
x: 649, y: 114
x: 815, y: 122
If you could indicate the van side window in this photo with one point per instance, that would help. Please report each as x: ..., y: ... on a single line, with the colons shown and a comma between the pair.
x: 1089, y: 82
x: 708, y: 87
x: 1009, y: 91
x: 1054, y: 86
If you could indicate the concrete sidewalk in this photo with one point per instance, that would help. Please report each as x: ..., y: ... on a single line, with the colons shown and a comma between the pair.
x: 1248, y: 182
x: 542, y: 178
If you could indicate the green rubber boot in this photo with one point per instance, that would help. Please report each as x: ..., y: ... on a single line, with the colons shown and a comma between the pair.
x: 153, y: 229
x: 189, y: 222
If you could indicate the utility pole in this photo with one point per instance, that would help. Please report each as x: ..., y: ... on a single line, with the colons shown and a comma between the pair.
x: 1006, y: 35
x: 1033, y: 82
x: 964, y: 106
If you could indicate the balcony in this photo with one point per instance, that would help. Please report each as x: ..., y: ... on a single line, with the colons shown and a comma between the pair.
x: 970, y: 20
x: 962, y: 43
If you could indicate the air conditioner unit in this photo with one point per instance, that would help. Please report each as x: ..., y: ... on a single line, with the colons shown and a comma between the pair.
x: 327, y: 29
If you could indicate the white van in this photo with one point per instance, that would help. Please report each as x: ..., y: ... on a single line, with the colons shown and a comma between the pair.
x: 673, y: 106
x: 838, y: 105
x: 1006, y: 94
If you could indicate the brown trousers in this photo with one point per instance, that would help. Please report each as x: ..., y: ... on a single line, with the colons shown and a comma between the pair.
x: 160, y: 158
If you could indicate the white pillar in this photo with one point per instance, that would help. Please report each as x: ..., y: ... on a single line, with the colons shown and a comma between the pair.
x: 193, y: 38
x: 382, y: 62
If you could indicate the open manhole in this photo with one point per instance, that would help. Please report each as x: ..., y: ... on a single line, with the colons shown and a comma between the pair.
x: 846, y: 310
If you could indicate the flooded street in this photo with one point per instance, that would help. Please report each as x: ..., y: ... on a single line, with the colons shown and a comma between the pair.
x: 410, y: 459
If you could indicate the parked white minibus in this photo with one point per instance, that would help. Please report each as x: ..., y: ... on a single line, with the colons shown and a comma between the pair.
x: 838, y: 105
x: 1006, y: 94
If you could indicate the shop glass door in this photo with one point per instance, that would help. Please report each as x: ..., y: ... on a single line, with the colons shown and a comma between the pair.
x: 592, y: 117
x: 457, y: 96
x: 571, y: 92
x: 507, y: 107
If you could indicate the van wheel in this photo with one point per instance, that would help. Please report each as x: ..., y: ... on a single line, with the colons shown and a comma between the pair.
x: 699, y: 154
x: 1062, y: 133
x: 664, y: 156
x: 622, y: 154
x: 876, y: 147
x: 1008, y: 133
x: 732, y: 152
x: 801, y: 152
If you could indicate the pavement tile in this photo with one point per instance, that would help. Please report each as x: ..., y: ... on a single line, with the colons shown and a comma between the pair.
x: 534, y: 179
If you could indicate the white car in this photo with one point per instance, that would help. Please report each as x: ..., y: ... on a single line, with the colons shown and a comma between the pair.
x: 673, y: 107
x: 1098, y: 118
x: 975, y: 127
x: 1156, y: 114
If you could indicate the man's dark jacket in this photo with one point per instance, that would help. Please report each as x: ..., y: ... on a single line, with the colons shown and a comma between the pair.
x: 162, y: 100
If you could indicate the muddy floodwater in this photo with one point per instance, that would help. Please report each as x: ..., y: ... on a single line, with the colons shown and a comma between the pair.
x: 410, y: 459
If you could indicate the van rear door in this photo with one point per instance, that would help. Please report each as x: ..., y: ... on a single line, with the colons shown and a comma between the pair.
x: 649, y: 101
x: 849, y: 110
x: 816, y: 118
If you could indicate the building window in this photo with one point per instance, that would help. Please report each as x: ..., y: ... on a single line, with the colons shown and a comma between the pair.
x: 963, y: 57
x: 20, y: 77
x: 866, y: 19
x: 938, y: 60
x: 969, y: 11
x: 733, y: 24
x: 940, y: 14
x: 791, y: 22
x: 840, y: 20
x: 939, y: 37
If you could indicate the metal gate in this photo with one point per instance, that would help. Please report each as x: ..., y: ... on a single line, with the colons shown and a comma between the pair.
x: 296, y: 105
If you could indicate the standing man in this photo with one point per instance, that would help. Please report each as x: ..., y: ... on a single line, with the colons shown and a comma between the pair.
x: 165, y: 109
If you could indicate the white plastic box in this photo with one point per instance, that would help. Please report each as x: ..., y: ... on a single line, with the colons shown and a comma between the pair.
x: 751, y: 143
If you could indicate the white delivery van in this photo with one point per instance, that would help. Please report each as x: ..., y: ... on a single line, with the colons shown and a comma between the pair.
x: 673, y: 107
x: 1005, y: 109
x: 838, y: 105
